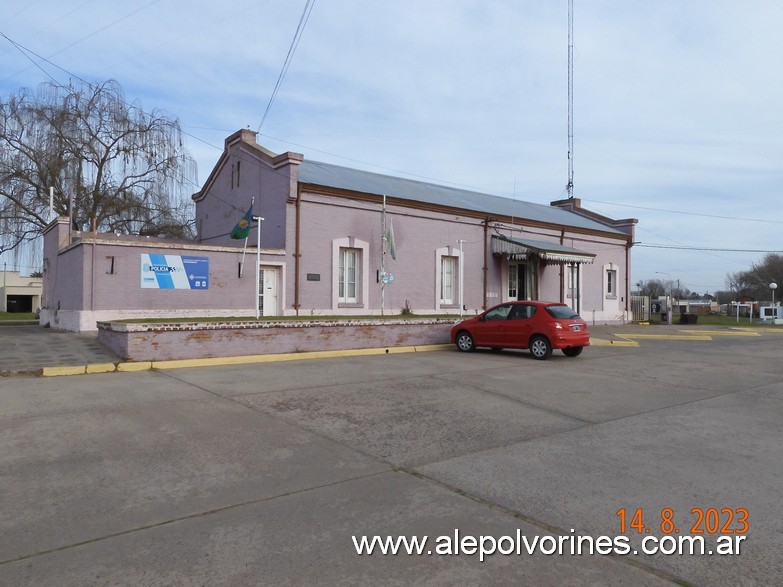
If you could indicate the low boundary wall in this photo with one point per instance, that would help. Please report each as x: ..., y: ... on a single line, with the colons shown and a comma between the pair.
x: 166, y: 342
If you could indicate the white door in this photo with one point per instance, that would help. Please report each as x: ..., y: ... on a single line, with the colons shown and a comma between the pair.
x: 517, y: 282
x: 268, y: 281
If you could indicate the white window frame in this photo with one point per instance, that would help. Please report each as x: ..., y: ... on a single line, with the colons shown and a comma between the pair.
x: 362, y: 249
x: 348, y: 273
x: 441, y: 254
x: 448, y: 279
x: 573, y: 286
x: 512, y: 281
x: 611, y: 283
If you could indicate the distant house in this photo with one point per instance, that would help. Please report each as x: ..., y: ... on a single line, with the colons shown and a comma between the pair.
x: 340, y: 241
x: 696, y: 306
x: 18, y: 293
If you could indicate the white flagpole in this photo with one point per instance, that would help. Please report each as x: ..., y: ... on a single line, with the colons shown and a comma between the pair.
x: 461, y: 280
x: 242, y: 263
x: 258, y: 220
x: 383, y: 252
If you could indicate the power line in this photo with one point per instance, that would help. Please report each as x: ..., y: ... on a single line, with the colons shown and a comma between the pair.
x: 700, y: 214
x: 92, y: 34
x: 690, y: 248
x: 291, y: 50
x: 24, y: 51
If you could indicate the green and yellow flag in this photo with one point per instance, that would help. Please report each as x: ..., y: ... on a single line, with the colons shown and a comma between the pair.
x: 242, y: 229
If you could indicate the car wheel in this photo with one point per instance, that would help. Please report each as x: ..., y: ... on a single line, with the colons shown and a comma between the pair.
x: 573, y: 351
x: 465, y: 342
x: 540, y: 348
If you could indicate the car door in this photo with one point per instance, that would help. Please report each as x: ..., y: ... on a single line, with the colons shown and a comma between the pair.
x: 491, y: 327
x: 519, y: 326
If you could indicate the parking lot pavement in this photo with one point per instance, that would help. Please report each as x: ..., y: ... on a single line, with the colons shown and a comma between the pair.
x: 30, y: 348
x: 265, y: 473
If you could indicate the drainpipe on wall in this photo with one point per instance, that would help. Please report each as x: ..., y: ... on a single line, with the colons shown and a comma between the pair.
x: 628, y: 246
x: 92, y: 267
x: 485, y: 269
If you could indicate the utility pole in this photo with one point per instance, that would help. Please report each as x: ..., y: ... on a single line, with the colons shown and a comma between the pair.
x: 570, y: 184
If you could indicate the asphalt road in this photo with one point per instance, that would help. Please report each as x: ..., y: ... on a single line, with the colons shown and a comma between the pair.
x: 262, y: 474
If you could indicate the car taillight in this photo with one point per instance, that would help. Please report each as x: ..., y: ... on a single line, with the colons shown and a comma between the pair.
x: 558, y: 326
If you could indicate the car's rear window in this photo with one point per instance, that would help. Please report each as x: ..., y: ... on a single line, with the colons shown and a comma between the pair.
x: 562, y: 312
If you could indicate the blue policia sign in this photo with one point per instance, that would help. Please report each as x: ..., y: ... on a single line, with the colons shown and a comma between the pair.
x: 174, y: 272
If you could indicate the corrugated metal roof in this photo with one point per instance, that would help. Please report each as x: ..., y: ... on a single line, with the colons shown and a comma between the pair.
x: 334, y: 176
x: 546, y: 250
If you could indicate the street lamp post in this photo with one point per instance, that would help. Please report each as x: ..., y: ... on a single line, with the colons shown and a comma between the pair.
x: 773, y: 286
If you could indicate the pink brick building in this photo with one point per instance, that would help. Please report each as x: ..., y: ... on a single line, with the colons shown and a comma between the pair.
x: 323, y: 245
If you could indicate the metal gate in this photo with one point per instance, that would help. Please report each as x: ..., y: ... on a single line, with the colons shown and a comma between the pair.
x: 640, y: 308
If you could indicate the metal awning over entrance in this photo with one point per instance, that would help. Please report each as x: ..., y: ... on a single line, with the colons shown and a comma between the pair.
x: 552, y: 252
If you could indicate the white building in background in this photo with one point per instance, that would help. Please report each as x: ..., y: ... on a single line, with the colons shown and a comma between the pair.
x: 18, y: 293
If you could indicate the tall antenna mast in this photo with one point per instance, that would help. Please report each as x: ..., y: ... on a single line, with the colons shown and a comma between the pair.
x: 570, y: 184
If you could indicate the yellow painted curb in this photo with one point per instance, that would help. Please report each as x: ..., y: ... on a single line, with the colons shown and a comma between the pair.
x: 248, y: 359
x: 722, y: 333
x: 134, y: 366
x: 55, y: 371
x: 760, y: 329
x: 664, y: 337
x: 617, y: 343
x: 242, y: 360
x: 434, y: 347
x: 101, y: 368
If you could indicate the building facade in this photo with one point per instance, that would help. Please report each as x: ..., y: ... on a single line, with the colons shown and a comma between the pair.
x: 452, y: 248
x: 19, y: 293
x: 340, y: 241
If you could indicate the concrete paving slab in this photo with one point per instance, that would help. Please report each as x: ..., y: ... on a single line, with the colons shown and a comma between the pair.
x: 305, y: 538
x: 404, y: 421
x: 603, y: 385
x: 573, y: 392
x: 28, y: 397
x: 159, y: 481
x: 701, y: 455
x: 231, y: 380
x: 71, y: 477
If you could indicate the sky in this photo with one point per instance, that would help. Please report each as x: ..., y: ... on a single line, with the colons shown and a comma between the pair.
x: 677, y: 104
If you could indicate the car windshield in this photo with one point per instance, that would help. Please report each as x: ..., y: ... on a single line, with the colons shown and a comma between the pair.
x: 562, y: 312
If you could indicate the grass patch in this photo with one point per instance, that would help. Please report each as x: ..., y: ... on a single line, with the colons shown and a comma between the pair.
x: 206, y: 320
x: 8, y: 316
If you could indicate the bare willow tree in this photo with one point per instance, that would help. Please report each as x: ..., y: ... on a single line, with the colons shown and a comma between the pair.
x: 106, y: 159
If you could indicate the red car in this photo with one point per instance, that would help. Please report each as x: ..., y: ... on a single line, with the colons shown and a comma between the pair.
x: 539, y: 326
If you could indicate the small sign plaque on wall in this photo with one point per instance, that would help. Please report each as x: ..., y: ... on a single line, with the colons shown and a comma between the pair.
x: 313, y: 277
